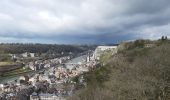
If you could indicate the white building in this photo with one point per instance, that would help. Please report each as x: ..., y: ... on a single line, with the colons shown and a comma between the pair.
x: 31, y: 65
x: 1, y: 87
x: 34, y: 96
x: 99, y: 50
x: 32, y: 54
x: 25, y: 54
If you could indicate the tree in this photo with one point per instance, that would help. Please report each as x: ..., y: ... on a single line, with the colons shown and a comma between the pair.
x: 139, y: 43
x: 162, y: 38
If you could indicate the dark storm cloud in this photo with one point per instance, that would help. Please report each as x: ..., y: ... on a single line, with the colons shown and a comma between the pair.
x: 83, y: 21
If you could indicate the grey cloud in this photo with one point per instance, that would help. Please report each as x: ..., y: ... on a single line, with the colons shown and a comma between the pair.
x: 85, y: 21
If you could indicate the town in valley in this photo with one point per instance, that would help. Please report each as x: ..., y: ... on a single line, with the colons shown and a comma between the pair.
x: 28, y: 76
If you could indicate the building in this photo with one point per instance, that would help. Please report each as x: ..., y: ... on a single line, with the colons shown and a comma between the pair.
x: 100, y: 49
x: 42, y: 96
x: 150, y: 45
x: 26, y: 54
x: 32, y: 54
x: 31, y: 65
x: 1, y: 87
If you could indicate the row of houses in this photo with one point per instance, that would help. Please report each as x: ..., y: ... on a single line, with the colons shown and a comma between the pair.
x: 50, y: 82
x: 10, y: 89
x: 43, y: 96
x: 23, y: 55
x: 40, y: 64
x: 58, y: 76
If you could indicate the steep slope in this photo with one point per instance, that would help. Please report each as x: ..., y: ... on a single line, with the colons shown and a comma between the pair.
x: 133, y: 74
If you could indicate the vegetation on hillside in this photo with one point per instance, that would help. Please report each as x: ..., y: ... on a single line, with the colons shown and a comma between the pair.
x: 14, y: 72
x: 5, y: 58
x: 136, y: 73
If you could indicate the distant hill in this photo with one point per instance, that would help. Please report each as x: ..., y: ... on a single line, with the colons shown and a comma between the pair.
x: 42, y: 48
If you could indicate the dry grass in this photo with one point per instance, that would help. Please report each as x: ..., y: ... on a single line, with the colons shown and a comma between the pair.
x: 6, y: 63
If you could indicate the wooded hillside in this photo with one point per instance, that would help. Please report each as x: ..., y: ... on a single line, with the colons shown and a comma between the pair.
x: 41, y: 48
x: 136, y: 73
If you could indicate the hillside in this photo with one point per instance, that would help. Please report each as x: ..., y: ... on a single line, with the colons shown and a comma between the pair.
x: 134, y: 73
x: 17, y: 48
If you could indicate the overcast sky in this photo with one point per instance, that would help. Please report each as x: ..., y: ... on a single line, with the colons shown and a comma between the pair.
x: 83, y: 21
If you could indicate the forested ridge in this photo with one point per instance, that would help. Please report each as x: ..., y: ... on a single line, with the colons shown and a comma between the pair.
x: 16, y: 48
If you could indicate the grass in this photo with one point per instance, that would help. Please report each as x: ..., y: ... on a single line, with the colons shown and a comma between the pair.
x: 15, y: 72
x: 105, y: 56
x: 6, y: 63
x: 4, y: 57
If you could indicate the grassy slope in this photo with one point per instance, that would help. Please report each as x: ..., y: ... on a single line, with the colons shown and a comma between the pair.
x: 6, y: 63
x: 134, y: 74
x: 15, y: 72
